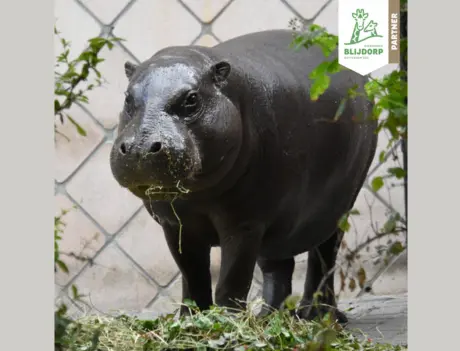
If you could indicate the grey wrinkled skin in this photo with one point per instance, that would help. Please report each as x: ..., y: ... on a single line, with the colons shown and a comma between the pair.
x: 269, y: 173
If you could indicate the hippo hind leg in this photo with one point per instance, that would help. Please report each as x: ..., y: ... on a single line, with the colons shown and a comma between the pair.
x: 320, y: 261
x: 277, y: 282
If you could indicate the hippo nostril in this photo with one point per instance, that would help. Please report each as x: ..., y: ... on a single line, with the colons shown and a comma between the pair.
x: 123, y: 149
x: 156, y: 146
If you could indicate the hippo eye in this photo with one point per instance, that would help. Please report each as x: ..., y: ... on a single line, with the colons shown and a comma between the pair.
x: 189, y: 105
x: 129, y: 104
x: 191, y: 99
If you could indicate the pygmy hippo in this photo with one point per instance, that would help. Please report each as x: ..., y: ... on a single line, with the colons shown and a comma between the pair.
x: 226, y: 148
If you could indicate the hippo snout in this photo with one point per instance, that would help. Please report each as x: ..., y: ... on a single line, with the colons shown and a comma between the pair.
x: 127, y: 148
x: 153, y: 162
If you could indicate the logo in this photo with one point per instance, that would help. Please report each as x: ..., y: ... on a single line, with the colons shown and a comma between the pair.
x: 362, y: 30
x: 368, y: 37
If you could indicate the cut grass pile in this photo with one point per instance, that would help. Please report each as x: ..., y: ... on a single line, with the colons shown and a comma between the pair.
x: 216, y: 328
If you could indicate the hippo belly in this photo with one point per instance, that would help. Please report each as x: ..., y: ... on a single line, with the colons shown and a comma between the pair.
x: 312, y: 168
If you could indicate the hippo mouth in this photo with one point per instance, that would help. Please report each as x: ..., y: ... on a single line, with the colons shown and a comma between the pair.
x: 158, y: 192
x: 171, y: 191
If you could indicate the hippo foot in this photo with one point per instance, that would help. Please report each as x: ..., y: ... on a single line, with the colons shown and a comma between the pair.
x: 309, y: 314
x: 187, y: 311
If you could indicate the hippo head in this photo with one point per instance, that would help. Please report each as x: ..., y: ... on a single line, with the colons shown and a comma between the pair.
x: 179, y: 131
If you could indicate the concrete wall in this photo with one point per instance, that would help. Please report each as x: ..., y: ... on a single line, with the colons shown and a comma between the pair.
x: 133, y: 268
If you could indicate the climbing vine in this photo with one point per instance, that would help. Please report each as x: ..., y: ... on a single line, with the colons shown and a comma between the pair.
x: 390, y: 111
x: 74, y: 78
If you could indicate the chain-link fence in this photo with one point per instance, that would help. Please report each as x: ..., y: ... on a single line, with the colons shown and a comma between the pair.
x: 129, y: 264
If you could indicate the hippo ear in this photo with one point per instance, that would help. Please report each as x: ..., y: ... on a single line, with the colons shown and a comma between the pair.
x: 129, y: 69
x: 220, y: 72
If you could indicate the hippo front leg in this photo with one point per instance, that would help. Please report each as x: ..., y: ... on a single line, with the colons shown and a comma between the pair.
x: 239, y: 251
x: 194, y: 264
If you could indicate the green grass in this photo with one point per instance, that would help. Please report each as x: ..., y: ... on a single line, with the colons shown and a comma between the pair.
x: 216, y: 328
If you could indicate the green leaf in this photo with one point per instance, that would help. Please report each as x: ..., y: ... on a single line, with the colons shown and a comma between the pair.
x: 316, y: 27
x: 398, y: 172
x: 354, y: 212
x: 327, y: 42
x: 373, y: 88
x: 319, y: 86
x: 390, y: 224
x: 115, y: 39
x: 62, y: 266
x: 64, y: 43
x: 84, y: 72
x: 319, y: 70
x: 334, y: 67
x: 83, y: 98
x: 62, y: 310
x: 343, y: 224
x: 85, y: 56
x: 299, y: 41
x: 291, y: 302
x: 382, y: 156
x: 75, y: 293
x: 80, y: 130
x: 376, y: 111
x: 396, y: 248
x: 377, y: 183
x: 352, y: 92
x: 96, y: 44
x: 56, y: 252
x: 57, y: 106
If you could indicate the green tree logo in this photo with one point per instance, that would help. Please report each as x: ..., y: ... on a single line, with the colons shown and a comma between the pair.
x: 369, y: 31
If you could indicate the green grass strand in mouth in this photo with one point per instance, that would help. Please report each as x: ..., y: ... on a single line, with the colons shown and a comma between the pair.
x: 158, y: 190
